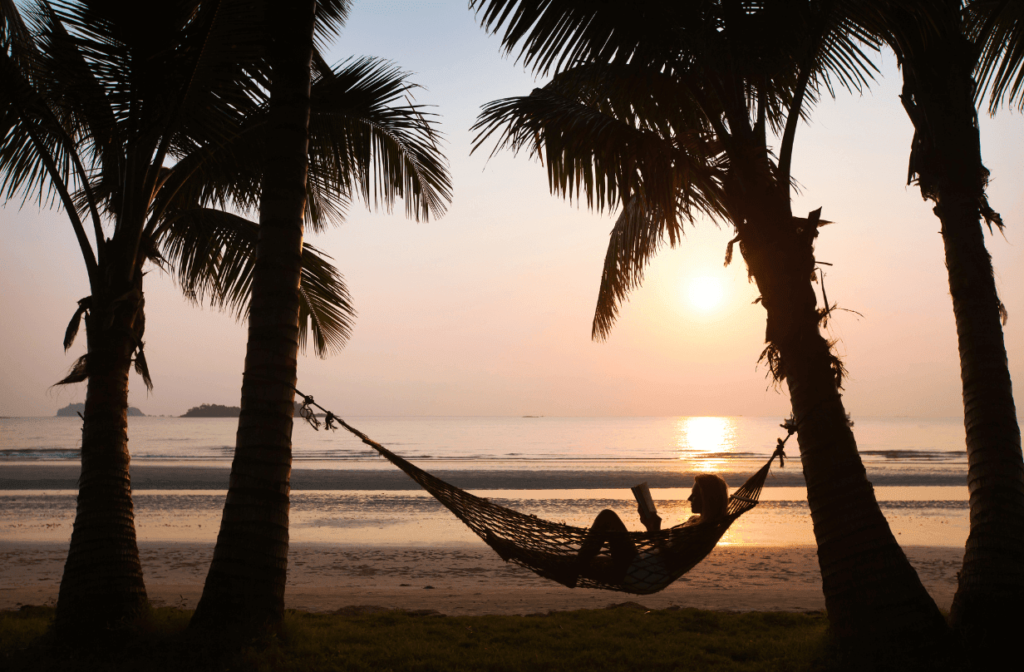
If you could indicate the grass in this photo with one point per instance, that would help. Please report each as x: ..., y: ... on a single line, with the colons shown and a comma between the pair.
x: 615, y: 639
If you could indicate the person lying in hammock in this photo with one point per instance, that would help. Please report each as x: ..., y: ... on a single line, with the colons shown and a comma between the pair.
x: 628, y: 565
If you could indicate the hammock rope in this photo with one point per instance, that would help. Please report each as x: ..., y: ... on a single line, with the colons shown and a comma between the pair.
x: 551, y: 549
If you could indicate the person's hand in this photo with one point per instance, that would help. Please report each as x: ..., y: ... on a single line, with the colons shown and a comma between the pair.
x: 652, y: 522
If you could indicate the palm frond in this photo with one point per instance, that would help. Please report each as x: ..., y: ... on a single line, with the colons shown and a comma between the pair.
x: 78, y: 373
x: 362, y: 140
x: 39, y: 156
x: 636, y: 237
x: 594, y: 156
x: 557, y: 34
x: 214, y: 255
x: 14, y: 32
x: 142, y: 367
x: 331, y: 16
x: 325, y: 306
x: 998, y: 27
x: 76, y: 321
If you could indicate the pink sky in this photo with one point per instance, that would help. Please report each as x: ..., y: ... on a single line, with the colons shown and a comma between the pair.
x: 487, y: 311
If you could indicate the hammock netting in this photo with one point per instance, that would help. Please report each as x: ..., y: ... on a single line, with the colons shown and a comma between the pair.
x: 551, y: 549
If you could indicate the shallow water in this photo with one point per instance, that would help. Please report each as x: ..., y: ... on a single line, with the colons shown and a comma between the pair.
x: 543, y: 453
x: 703, y: 443
x: 936, y: 516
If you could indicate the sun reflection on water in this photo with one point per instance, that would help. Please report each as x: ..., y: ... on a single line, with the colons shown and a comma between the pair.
x: 704, y: 442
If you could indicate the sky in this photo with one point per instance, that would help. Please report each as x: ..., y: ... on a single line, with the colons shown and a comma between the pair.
x: 487, y: 310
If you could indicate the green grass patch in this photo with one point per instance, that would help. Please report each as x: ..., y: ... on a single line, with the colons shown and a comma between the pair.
x: 610, y: 639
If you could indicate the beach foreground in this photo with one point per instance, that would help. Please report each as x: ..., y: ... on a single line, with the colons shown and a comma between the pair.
x: 468, y: 579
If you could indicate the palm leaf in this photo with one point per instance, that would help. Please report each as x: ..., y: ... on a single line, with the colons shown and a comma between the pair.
x: 76, y: 321
x: 362, y: 144
x: 214, y: 255
x: 635, y: 239
x: 998, y: 27
x: 39, y: 155
x: 593, y: 156
x: 325, y: 304
x: 362, y: 141
x: 331, y: 16
x: 557, y: 34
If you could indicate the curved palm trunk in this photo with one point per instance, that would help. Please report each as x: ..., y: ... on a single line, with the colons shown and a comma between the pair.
x: 246, y: 582
x: 874, y: 598
x: 992, y: 574
x: 102, y: 586
x: 938, y: 95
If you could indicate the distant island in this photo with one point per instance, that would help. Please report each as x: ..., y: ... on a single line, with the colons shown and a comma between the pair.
x: 218, y: 411
x: 71, y: 410
x: 213, y: 411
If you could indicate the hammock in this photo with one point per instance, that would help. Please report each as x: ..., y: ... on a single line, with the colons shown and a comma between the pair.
x: 550, y: 549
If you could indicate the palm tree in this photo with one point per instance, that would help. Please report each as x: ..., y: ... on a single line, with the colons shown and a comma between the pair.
x: 666, y: 111
x: 143, y: 128
x: 938, y: 44
x: 85, y: 123
x: 244, y: 589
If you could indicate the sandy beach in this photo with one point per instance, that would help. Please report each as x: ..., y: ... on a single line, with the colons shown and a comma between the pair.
x: 468, y: 579
x: 365, y: 537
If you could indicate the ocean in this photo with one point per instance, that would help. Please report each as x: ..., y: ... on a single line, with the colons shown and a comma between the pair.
x: 515, y: 442
x: 564, y: 469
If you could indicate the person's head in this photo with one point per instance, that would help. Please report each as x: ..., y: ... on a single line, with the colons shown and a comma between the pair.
x: 710, y: 496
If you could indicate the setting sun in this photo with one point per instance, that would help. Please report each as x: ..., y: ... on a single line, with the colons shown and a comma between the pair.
x: 705, y: 293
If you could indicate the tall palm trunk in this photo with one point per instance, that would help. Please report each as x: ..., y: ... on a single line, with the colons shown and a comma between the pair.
x: 246, y: 583
x: 938, y: 95
x: 874, y: 598
x: 993, y: 573
x: 102, y: 586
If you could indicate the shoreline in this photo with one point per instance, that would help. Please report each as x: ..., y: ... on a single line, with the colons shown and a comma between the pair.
x: 468, y: 579
x: 23, y: 476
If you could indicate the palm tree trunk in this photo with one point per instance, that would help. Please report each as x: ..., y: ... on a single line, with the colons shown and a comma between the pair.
x: 938, y: 95
x: 102, y: 587
x: 874, y: 598
x: 992, y: 574
x: 245, y: 586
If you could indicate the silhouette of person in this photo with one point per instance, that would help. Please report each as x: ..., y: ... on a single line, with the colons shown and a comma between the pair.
x: 709, y: 500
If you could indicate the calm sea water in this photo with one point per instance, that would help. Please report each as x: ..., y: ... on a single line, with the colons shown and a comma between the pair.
x: 912, y: 449
x: 532, y: 443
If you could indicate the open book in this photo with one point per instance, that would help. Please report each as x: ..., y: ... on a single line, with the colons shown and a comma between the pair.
x: 644, y: 499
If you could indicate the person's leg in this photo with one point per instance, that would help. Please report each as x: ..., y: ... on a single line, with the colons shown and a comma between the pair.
x: 607, y: 527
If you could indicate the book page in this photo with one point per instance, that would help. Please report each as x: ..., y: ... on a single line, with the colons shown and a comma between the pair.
x: 644, y: 499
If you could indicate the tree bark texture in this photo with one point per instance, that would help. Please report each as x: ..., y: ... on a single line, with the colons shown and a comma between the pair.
x: 246, y: 582
x: 993, y: 571
x: 938, y: 95
x: 874, y: 598
x: 102, y: 587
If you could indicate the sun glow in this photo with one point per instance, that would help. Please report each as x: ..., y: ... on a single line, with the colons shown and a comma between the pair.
x: 705, y: 293
x: 702, y: 440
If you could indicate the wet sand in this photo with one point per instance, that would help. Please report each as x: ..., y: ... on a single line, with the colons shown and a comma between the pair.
x: 386, y: 543
x: 468, y: 579
x: 27, y: 476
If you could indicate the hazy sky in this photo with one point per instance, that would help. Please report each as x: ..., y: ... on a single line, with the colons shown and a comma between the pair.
x: 487, y: 310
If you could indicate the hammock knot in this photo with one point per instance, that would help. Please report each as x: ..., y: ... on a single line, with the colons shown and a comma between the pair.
x: 780, y: 451
x: 789, y: 424
x: 329, y: 421
x: 306, y: 413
